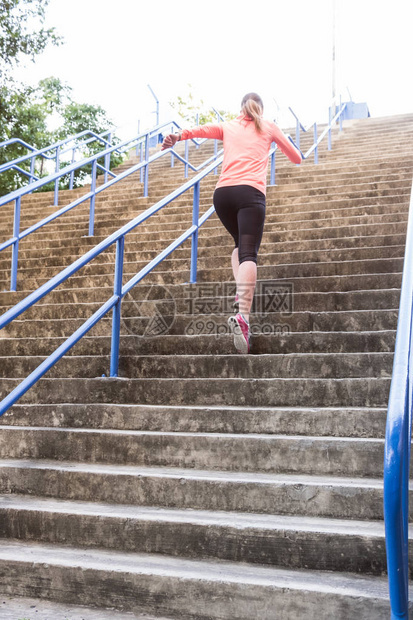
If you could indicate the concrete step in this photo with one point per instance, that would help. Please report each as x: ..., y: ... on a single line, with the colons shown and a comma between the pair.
x: 178, y: 223
x: 279, y: 253
x: 278, y: 343
x: 285, y: 221
x: 219, y: 300
x: 333, y: 281
x: 176, y: 488
x: 220, y: 366
x: 210, y: 237
x: 286, y: 454
x: 187, y: 588
x: 267, y: 246
x: 275, y: 540
x: 181, y: 259
x: 22, y: 607
x: 103, y: 272
x: 140, y: 323
x: 321, y: 421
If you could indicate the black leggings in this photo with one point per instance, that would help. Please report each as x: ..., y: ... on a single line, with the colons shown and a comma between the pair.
x: 241, y: 209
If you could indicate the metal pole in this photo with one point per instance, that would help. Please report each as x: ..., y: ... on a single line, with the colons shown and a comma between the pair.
x: 92, y: 200
x: 56, y: 183
x: 157, y: 104
x: 315, y: 142
x: 72, y: 174
x: 146, y: 173
x: 186, y: 158
x: 329, y: 131
x: 137, y: 144
x: 272, y: 177
x: 194, y: 247
x: 107, y: 157
x: 116, y: 312
x: 15, y: 246
x: 32, y: 165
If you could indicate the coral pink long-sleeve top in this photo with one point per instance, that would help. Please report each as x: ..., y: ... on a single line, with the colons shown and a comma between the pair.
x: 245, y: 149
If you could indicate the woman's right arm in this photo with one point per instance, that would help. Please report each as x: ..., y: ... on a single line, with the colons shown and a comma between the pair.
x: 210, y: 131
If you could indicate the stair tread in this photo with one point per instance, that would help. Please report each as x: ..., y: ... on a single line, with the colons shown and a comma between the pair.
x: 240, y: 436
x: 192, y: 570
x: 236, y: 520
x: 194, y: 474
x: 23, y: 607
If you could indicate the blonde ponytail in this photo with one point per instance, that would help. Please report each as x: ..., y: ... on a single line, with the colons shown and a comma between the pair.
x: 253, y: 107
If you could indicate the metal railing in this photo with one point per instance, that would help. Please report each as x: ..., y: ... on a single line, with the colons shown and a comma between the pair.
x: 17, y: 195
x: 119, y: 290
x: 334, y: 116
x: 105, y: 138
x: 397, y: 443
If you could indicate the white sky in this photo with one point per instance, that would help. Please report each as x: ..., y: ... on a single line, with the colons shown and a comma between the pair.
x: 281, y: 49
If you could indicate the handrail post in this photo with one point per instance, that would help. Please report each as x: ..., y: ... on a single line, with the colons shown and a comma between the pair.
x: 116, y: 312
x: 340, y: 120
x: 186, y: 158
x: 329, y: 131
x: 72, y: 174
x: 297, y: 133
x: 107, y: 158
x: 56, y: 183
x: 140, y: 160
x: 32, y: 165
x: 137, y: 144
x: 194, y: 246
x: 146, y: 174
x: 15, y: 246
x: 172, y: 155
x: 272, y: 175
x: 315, y: 142
x: 92, y: 200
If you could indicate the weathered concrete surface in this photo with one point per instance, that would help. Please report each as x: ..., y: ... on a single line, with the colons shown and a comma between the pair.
x: 188, y: 589
x: 20, y: 608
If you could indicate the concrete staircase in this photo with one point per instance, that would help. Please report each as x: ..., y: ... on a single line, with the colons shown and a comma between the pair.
x: 202, y: 484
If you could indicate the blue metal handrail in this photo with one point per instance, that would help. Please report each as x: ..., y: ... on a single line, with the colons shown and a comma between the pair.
x: 17, y: 195
x: 35, y: 152
x: 119, y: 292
x: 397, y: 442
x: 114, y: 302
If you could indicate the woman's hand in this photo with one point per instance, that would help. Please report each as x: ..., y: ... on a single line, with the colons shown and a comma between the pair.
x: 169, y: 141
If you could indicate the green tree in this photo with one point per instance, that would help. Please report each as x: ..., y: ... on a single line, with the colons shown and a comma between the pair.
x: 22, y: 33
x: 27, y: 113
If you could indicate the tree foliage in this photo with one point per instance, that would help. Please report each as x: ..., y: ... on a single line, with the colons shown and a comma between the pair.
x: 22, y: 33
x: 33, y: 113
x: 28, y: 113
